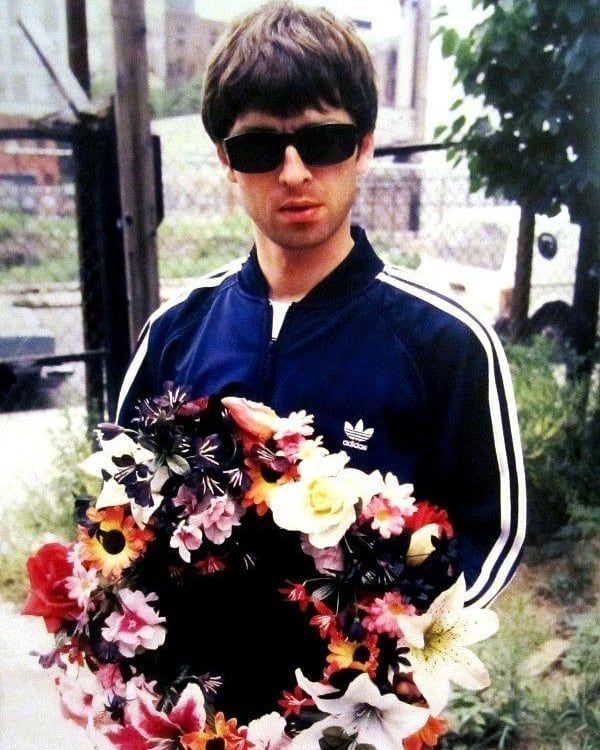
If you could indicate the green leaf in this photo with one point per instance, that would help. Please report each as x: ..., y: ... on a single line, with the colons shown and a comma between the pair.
x: 456, y: 105
x: 439, y: 129
x: 463, y: 55
x: 458, y: 124
x: 450, y: 40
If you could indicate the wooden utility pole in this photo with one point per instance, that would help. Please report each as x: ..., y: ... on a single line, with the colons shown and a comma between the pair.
x: 420, y: 70
x: 136, y: 167
x: 78, y: 47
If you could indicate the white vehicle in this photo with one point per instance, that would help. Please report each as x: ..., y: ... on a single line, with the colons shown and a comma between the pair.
x: 479, y: 264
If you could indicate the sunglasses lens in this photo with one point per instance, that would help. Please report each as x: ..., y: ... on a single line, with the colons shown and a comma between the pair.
x: 322, y: 145
x: 318, y: 145
x: 254, y: 152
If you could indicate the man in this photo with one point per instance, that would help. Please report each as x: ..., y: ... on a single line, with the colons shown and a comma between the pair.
x: 403, y: 379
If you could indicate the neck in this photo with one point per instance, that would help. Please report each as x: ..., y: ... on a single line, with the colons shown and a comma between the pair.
x: 291, y: 272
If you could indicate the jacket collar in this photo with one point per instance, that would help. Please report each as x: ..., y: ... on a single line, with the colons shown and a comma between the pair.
x: 353, y: 274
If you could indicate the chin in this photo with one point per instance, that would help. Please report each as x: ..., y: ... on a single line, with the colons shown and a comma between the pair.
x: 303, y: 236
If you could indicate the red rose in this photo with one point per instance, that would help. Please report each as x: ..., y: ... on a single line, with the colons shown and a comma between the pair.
x: 48, y: 570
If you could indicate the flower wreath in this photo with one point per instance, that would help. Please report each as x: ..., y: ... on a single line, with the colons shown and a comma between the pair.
x: 391, y: 611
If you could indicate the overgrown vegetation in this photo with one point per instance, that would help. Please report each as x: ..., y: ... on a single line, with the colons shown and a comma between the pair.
x: 48, y: 512
x: 560, y: 432
x: 191, y: 245
x: 545, y: 660
x: 37, y: 248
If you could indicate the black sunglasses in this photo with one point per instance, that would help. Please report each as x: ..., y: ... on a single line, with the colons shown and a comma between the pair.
x: 318, y: 146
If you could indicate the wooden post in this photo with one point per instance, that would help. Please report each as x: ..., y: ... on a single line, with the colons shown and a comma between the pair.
x: 136, y: 168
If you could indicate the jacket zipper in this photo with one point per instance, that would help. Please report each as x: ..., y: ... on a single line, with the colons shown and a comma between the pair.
x: 271, y: 355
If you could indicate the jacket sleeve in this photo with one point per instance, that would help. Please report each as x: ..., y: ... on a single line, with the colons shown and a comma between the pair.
x: 476, y: 452
x: 138, y: 381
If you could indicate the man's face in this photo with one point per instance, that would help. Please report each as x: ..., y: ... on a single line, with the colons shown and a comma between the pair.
x: 297, y: 206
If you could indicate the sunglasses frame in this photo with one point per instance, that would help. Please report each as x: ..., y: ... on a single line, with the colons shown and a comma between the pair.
x: 280, y: 141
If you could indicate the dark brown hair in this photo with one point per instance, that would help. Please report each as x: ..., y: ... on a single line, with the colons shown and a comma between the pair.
x: 282, y: 59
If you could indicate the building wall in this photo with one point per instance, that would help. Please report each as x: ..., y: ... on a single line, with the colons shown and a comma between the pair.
x: 25, y: 86
x: 188, y: 40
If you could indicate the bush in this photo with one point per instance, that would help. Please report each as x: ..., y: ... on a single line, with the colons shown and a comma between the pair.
x: 561, y: 441
x: 48, y: 513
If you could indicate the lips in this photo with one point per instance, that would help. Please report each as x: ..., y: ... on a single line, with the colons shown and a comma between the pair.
x: 300, y: 210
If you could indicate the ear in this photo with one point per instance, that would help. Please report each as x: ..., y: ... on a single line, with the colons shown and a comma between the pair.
x: 229, y: 173
x: 365, y: 152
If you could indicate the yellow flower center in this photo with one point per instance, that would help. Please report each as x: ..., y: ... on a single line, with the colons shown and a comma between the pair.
x: 322, y: 499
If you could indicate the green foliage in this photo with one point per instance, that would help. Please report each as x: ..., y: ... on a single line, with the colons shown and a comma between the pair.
x: 37, y: 248
x: 165, y: 101
x: 495, y: 718
x: 535, y: 64
x: 561, y: 441
x: 190, y: 245
x: 584, y: 653
x: 48, y: 512
x: 182, y: 99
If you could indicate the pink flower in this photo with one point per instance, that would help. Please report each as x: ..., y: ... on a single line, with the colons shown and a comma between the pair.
x: 81, y: 699
x: 218, y: 516
x: 145, y: 727
x: 385, y: 517
x: 81, y: 585
x: 137, y: 627
x: 187, y: 536
x: 110, y: 678
x: 382, y: 614
x: 292, y: 433
x: 328, y: 560
x: 186, y: 498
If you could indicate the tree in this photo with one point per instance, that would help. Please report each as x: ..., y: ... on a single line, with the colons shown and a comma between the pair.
x: 536, y: 65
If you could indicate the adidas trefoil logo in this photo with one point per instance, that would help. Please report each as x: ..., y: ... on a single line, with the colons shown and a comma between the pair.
x: 357, y: 435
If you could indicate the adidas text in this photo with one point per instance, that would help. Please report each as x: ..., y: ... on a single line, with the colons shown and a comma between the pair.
x: 352, y: 444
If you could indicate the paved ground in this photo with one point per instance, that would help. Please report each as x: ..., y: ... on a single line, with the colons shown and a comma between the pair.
x: 30, y: 717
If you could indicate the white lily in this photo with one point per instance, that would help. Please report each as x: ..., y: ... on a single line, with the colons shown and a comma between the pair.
x: 378, y: 720
x: 121, y: 445
x: 437, y: 643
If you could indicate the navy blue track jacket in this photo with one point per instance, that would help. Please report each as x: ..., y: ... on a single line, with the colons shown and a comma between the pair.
x: 401, y: 377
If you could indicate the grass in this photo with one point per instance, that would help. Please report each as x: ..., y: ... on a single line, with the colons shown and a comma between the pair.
x: 191, y: 245
x: 37, y: 249
x: 538, y: 700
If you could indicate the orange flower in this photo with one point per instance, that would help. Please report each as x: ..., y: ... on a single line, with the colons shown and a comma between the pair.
x: 428, y: 735
x: 345, y: 654
x: 116, y: 542
x: 264, y: 481
x: 227, y: 731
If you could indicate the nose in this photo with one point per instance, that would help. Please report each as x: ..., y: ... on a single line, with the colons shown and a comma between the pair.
x: 294, y: 170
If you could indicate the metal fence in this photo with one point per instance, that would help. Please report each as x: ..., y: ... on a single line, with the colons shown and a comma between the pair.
x: 420, y: 215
